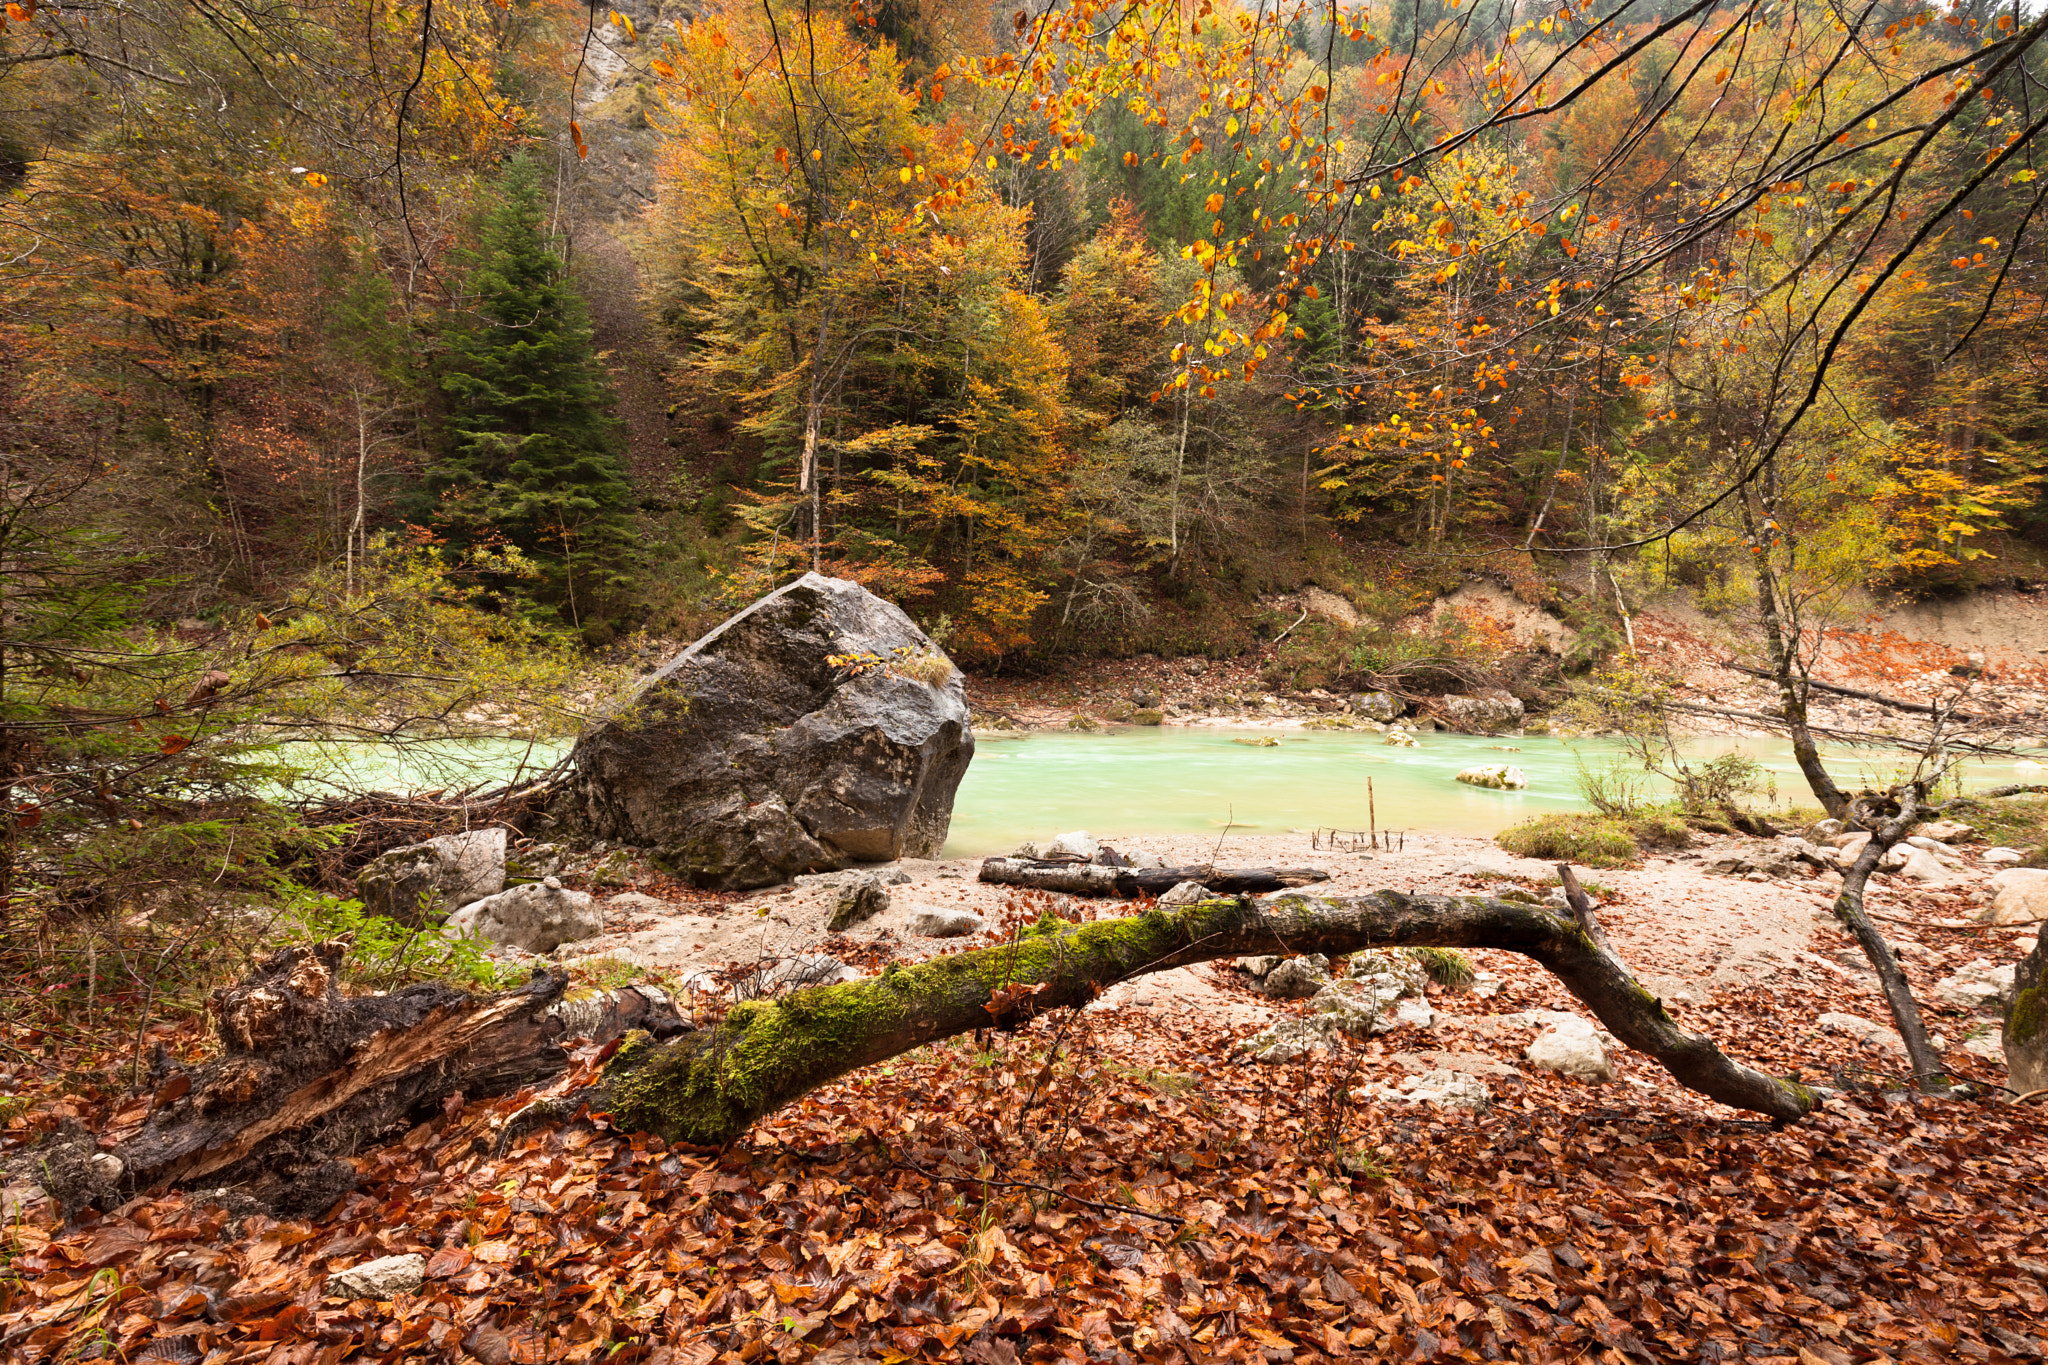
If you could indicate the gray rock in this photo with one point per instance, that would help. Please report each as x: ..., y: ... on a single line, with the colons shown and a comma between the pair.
x: 1141, y: 859
x: 750, y: 757
x: 2001, y: 854
x: 796, y: 973
x: 1379, y: 706
x: 1185, y: 893
x: 1821, y: 831
x: 931, y: 922
x: 1922, y: 865
x: 1978, y: 985
x: 1074, y: 845
x: 536, y: 862
x: 1255, y: 967
x: 1949, y: 831
x: 1491, y: 713
x: 536, y: 919
x: 639, y: 903
x: 381, y: 1280
x: 860, y: 898
x: 420, y: 881
x: 1571, y: 1047
x: 1297, y: 978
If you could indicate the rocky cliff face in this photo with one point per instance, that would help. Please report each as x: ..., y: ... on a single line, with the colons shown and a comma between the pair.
x: 751, y: 756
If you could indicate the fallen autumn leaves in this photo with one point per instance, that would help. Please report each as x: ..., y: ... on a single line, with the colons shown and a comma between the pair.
x: 855, y: 1226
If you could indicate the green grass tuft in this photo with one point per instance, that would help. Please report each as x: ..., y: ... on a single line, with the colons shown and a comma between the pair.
x: 1590, y: 840
x: 1447, y: 967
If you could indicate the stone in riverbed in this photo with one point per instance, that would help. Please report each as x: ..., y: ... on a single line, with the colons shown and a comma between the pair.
x: 1497, y: 776
x: 1379, y: 706
x: 753, y: 756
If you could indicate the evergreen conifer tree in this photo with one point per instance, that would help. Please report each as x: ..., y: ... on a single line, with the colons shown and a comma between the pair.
x: 533, y: 456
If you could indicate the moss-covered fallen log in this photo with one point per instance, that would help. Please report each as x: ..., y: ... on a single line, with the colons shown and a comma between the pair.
x: 707, y: 1088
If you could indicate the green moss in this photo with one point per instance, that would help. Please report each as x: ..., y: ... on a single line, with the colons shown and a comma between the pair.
x: 2027, y: 1019
x: 1147, y: 715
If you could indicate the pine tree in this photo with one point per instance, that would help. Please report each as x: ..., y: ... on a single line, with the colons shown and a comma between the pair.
x: 533, y: 456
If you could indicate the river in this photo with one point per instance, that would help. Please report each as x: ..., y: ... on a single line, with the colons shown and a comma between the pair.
x: 1175, y: 780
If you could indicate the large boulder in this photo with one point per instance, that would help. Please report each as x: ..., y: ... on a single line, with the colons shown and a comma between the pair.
x: 2026, y: 1022
x: 1490, y: 713
x: 816, y: 729
x: 1379, y: 706
x: 421, y: 881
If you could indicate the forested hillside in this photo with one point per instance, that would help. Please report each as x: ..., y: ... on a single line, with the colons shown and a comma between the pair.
x: 1073, y: 329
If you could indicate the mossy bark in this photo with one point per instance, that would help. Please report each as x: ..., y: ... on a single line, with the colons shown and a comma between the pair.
x: 2026, y: 1022
x: 708, y: 1088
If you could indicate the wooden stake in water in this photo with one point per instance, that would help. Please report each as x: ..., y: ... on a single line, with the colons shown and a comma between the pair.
x: 1372, y: 819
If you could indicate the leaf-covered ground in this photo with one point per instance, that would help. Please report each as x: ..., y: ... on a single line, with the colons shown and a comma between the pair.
x: 1140, y: 1197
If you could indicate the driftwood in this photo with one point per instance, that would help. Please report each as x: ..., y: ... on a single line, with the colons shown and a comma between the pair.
x: 307, y: 1076
x: 1895, y: 703
x: 1093, y: 879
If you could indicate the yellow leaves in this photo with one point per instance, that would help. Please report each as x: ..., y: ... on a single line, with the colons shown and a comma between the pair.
x: 2022, y: 177
x: 904, y: 175
x: 1215, y: 203
x: 576, y: 136
x: 717, y: 38
x: 783, y: 210
x: 1317, y: 93
x: 625, y: 21
x: 1130, y: 159
x: 22, y: 13
x: 662, y: 69
x: 782, y: 156
x: 315, y: 179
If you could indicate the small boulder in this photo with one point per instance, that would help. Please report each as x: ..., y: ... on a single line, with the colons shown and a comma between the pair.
x: 1075, y: 845
x: 421, y: 881
x: 1922, y: 865
x: 860, y: 898
x: 1400, y: 739
x: 1254, y: 967
x: 381, y: 1280
x: 1297, y: 978
x: 1949, y: 831
x: 1185, y: 893
x: 2003, y: 856
x: 930, y: 922
x: 2019, y: 895
x: 1869, y: 1034
x: 1977, y: 986
x: 796, y: 973
x: 1490, y: 713
x: 1571, y: 1046
x: 1379, y: 706
x: 1452, y: 1089
x: 1823, y: 831
x: 1148, y: 715
x: 1139, y: 858
x: 538, y: 918
x: 1496, y: 776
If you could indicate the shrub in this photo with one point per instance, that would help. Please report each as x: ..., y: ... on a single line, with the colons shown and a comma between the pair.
x: 1447, y: 967
x: 1592, y: 840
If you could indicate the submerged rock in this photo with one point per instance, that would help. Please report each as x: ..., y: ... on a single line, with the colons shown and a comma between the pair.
x: 816, y: 729
x: 1498, y: 776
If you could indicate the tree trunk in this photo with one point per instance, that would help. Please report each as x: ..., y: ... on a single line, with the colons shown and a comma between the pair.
x: 707, y: 1088
x: 1898, y: 994
x: 1093, y: 879
x: 307, y: 1076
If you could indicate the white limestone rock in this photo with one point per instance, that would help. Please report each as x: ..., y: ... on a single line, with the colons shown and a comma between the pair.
x: 381, y: 1280
x: 538, y: 918
x: 1571, y: 1046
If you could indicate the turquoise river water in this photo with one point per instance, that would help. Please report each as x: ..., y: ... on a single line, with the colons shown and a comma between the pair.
x: 1174, y: 780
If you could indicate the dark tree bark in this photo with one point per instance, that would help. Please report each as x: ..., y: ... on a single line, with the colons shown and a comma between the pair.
x: 1093, y: 879
x: 707, y: 1088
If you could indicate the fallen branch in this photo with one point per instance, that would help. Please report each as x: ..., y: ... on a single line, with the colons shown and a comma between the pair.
x: 708, y: 1088
x: 1093, y: 879
x: 1897, y: 704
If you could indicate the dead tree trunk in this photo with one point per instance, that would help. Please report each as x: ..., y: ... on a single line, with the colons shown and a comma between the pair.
x: 707, y: 1088
x: 307, y: 1076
